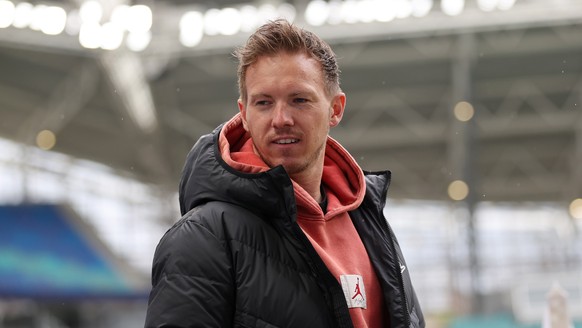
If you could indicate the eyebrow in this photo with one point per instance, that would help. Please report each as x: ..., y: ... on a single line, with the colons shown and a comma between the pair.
x: 260, y: 95
x: 307, y: 93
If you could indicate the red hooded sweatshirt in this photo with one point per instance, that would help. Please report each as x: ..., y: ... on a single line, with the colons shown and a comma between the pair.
x: 332, y: 233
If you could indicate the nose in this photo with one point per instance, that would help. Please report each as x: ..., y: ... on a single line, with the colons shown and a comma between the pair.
x: 282, y: 116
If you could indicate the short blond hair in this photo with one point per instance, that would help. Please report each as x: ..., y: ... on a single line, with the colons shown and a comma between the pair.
x: 282, y: 36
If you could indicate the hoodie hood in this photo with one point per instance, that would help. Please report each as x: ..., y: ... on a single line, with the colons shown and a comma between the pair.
x: 342, y: 178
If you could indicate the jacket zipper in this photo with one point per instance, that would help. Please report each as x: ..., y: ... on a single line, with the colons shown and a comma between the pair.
x: 319, y: 269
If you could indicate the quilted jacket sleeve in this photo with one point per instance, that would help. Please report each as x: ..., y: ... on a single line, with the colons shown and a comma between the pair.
x: 192, y: 283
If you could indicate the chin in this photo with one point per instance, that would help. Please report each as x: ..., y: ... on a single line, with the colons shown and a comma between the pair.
x: 294, y: 168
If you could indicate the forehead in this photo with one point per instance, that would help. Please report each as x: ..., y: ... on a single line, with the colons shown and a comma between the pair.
x: 284, y: 67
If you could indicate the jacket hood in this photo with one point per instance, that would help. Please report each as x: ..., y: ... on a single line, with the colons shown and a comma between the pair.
x: 222, y: 166
x: 206, y: 177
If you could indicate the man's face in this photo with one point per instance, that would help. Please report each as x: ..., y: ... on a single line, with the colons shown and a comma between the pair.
x: 288, y: 113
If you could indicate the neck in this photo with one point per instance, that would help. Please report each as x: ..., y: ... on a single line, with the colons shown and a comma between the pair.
x: 311, y: 182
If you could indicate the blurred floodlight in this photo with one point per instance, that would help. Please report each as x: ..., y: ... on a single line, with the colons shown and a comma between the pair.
x: 91, y: 12
x: 7, y: 11
x: 267, y: 12
x: 349, y: 12
x: 90, y: 35
x: 287, y: 11
x: 464, y: 111
x: 55, y: 20
x: 22, y: 15
x: 230, y: 21
x: 385, y: 11
x: 73, y: 26
x: 505, y: 4
x: 120, y: 15
x: 111, y: 36
x: 191, y: 28
x: 334, y: 8
x: 248, y: 15
x: 138, y: 41
x: 46, y: 139
x: 139, y: 18
x: 38, y: 17
x: 452, y: 7
x: 487, y: 5
x: 421, y: 8
x: 458, y: 190
x: 316, y: 12
x: 365, y: 11
x: 576, y: 208
x: 211, y: 21
x: 490, y: 5
x: 403, y: 8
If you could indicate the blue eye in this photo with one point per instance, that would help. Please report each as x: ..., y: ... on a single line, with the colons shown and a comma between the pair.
x: 300, y: 100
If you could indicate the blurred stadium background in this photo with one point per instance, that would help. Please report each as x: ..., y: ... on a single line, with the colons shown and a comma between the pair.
x: 474, y: 105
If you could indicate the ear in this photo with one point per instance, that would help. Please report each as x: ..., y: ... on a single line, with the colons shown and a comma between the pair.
x: 243, y: 113
x: 338, y: 104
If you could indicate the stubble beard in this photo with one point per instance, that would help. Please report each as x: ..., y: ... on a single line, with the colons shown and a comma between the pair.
x: 300, y: 167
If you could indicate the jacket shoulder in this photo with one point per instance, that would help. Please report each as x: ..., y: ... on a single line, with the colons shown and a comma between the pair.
x: 187, y: 238
x: 213, y: 217
x: 377, y: 184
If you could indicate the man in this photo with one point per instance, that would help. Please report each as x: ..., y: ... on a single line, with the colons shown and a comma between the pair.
x: 280, y: 226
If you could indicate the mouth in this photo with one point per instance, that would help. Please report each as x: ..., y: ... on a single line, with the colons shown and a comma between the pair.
x: 286, y: 141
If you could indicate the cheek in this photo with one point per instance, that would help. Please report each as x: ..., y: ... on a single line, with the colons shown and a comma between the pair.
x: 255, y: 128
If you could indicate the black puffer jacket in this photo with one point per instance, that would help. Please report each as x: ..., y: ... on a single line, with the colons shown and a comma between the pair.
x: 237, y: 258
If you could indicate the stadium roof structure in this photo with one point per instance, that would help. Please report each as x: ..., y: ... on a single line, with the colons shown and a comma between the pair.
x: 48, y: 253
x: 518, y: 70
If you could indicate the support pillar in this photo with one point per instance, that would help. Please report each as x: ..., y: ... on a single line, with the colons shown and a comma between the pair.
x: 462, y: 153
